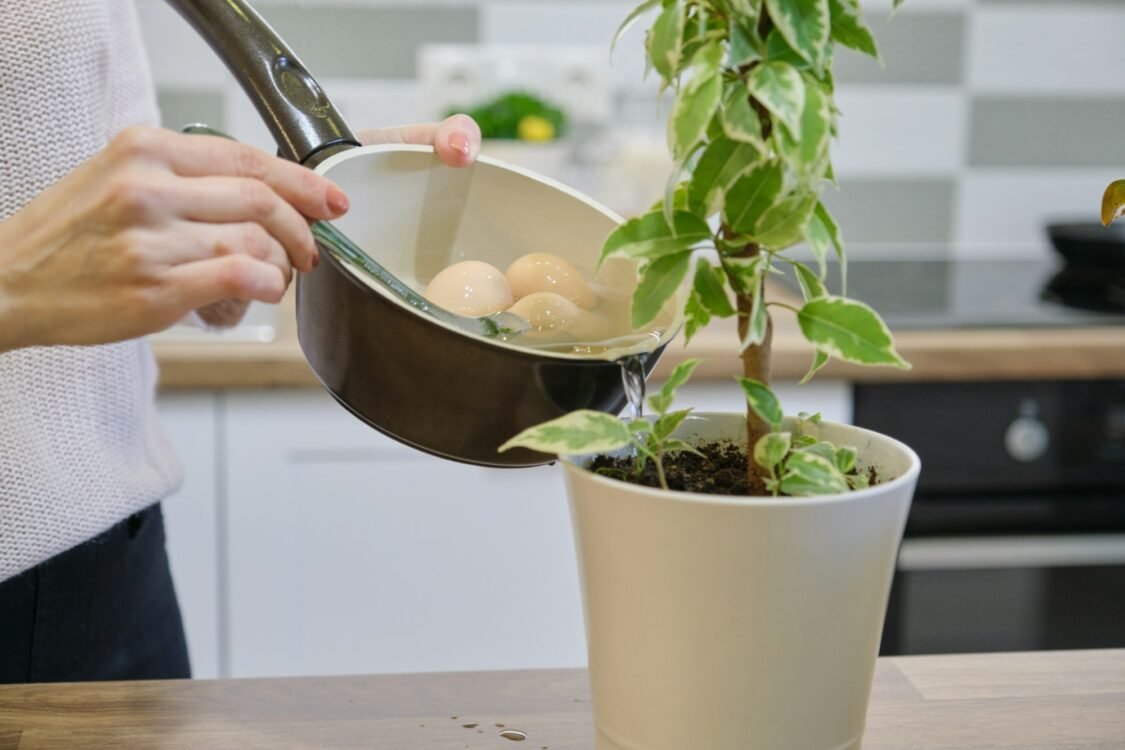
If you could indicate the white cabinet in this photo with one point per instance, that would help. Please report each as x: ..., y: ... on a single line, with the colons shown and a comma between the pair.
x: 191, y: 522
x: 832, y: 398
x: 350, y: 553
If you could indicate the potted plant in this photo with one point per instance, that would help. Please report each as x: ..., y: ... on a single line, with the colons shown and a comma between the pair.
x: 523, y: 129
x: 736, y: 567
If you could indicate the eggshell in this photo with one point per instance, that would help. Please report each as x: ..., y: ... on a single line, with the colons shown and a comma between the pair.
x: 471, y: 288
x: 543, y: 272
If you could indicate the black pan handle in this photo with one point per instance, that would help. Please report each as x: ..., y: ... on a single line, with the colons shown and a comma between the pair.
x: 306, y: 126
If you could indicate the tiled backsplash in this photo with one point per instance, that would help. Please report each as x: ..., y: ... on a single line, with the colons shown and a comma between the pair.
x: 989, y: 118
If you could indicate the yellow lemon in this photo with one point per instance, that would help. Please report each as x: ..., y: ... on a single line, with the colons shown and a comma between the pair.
x: 1113, y: 203
x: 535, y: 128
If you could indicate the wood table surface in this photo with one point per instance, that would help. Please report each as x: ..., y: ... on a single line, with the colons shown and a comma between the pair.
x: 1023, y: 701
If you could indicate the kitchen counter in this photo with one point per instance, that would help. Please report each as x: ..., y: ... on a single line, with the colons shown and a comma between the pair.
x: 978, y: 354
x: 1029, y: 701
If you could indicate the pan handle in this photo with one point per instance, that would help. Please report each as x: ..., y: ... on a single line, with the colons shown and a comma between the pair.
x: 306, y: 126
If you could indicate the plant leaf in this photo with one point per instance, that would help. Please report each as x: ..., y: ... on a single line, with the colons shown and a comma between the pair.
x: 777, y: 49
x: 722, y: 162
x: 709, y: 284
x: 762, y: 401
x: 662, y: 400
x: 811, y: 285
x: 1113, y: 202
x: 632, y: 18
x: 666, y: 424
x: 696, y: 104
x: 751, y: 196
x: 819, y: 360
x: 696, y: 316
x: 659, y: 281
x: 665, y: 40
x: 818, y: 239
x: 812, y: 474
x: 738, y: 119
x: 759, y: 315
x: 837, y: 238
x: 781, y: 89
x: 650, y: 236
x: 673, y: 445
x: 845, y: 458
x: 743, y: 43
x: 849, y: 330
x: 805, y: 25
x: 806, y: 150
x: 745, y: 274
x: 848, y: 28
x: 783, y: 224
x: 579, y: 432
x: 771, y: 448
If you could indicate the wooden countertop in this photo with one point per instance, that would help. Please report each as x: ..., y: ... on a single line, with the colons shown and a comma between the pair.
x: 1033, y: 701
x: 979, y: 354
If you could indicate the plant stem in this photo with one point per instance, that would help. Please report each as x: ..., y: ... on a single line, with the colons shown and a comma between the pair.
x: 660, y: 471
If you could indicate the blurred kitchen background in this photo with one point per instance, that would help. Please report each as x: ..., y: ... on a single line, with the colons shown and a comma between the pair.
x: 304, y: 543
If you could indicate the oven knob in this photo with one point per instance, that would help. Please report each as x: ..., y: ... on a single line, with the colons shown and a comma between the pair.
x: 1027, y: 439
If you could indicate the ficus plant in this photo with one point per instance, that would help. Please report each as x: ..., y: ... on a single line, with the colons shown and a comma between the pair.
x: 750, y: 132
x: 1113, y: 202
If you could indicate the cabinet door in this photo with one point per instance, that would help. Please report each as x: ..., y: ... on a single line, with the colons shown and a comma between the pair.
x: 350, y: 553
x: 190, y: 517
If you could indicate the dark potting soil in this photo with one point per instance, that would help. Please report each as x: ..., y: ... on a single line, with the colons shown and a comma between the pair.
x: 721, y: 470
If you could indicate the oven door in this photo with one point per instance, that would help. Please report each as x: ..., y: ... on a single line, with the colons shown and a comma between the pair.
x: 1007, y: 593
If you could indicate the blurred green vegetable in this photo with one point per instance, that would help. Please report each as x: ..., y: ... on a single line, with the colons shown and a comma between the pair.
x: 517, y: 116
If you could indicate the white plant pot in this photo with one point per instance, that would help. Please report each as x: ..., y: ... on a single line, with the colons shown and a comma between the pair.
x: 737, y: 623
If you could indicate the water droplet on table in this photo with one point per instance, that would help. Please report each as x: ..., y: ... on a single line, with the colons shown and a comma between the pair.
x: 514, y: 735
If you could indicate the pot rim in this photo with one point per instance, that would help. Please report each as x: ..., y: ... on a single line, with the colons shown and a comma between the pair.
x: 666, y: 337
x: 907, y: 478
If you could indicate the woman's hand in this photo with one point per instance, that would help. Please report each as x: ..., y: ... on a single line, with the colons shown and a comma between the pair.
x: 456, y: 141
x: 153, y: 227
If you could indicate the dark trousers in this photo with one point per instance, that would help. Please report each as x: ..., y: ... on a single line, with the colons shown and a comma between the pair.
x: 105, y: 610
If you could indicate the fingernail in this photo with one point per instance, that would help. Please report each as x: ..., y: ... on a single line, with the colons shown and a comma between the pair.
x: 337, y: 201
x: 459, y: 142
x: 316, y: 260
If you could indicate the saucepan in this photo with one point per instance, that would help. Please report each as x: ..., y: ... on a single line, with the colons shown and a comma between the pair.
x: 408, y: 375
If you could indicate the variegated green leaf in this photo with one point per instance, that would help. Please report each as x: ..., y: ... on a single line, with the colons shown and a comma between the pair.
x: 845, y: 458
x: 812, y: 474
x: 781, y: 89
x: 696, y: 316
x: 659, y: 281
x: 818, y: 239
x: 696, y: 104
x: 666, y: 39
x: 858, y: 481
x: 819, y: 361
x: 738, y: 119
x: 805, y: 24
x: 751, y: 196
x: 778, y: 50
x: 650, y: 236
x: 783, y: 224
x: 771, y: 449
x: 672, y: 445
x: 709, y: 284
x: 898, y: 3
x: 580, y: 432
x: 811, y: 285
x: 849, y: 29
x: 632, y: 18
x: 745, y: 274
x: 666, y: 424
x: 849, y: 330
x: 806, y: 150
x: 821, y: 448
x: 662, y: 400
x: 761, y: 399
x: 758, y: 324
x: 722, y: 162
x: 743, y: 43
x: 837, y: 239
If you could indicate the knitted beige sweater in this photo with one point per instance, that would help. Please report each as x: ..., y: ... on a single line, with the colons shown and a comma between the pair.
x: 80, y: 447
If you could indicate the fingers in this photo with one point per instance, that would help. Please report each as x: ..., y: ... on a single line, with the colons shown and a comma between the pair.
x: 206, y: 156
x: 456, y: 140
x: 195, y: 242
x: 233, y: 200
x: 195, y: 285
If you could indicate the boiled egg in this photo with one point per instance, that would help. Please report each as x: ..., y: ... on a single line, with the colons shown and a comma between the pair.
x: 547, y: 311
x: 543, y: 272
x: 472, y: 288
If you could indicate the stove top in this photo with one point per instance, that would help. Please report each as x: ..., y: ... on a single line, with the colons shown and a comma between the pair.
x: 920, y: 294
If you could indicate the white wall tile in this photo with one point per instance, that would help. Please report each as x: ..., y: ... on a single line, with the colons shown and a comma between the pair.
x: 591, y: 23
x: 1047, y: 49
x: 899, y: 130
x: 1002, y: 212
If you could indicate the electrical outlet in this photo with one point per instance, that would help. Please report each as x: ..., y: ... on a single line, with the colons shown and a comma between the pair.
x: 574, y: 79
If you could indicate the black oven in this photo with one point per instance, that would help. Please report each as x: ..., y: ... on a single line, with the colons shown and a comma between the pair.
x: 1016, y: 538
